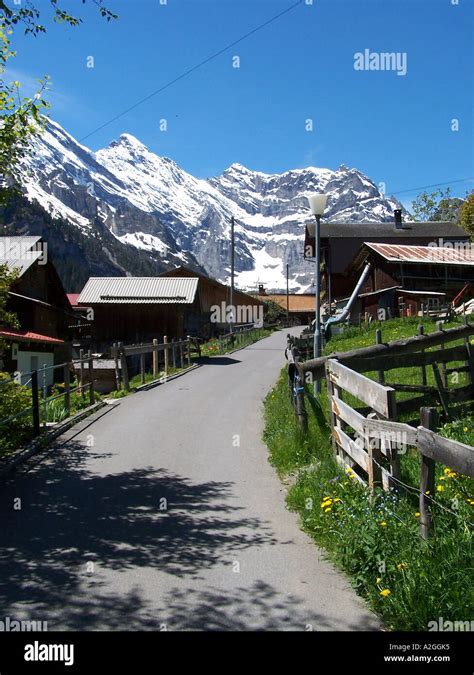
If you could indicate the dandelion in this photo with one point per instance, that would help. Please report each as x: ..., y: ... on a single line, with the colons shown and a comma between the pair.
x: 466, y: 429
x: 383, y: 524
x: 452, y: 474
x: 440, y: 488
x: 385, y: 593
x: 402, y: 566
x: 327, y: 510
x: 417, y: 514
x: 325, y: 504
x: 446, y: 471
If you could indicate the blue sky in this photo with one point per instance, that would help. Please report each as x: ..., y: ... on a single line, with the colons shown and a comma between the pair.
x: 395, y: 128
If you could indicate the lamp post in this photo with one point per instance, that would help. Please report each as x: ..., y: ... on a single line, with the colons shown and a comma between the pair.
x: 317, y: 204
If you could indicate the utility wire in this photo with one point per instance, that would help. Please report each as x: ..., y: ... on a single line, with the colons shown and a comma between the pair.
x: 425, y: 187
x: 194, y: 68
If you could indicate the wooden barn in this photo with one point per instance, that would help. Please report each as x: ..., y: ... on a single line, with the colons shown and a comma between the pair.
x: 340, y: 243
x: 38, y: 299
x: 213, y: 293
x: 139, y: 309
x: 410, y: 277
x: 301, y: 306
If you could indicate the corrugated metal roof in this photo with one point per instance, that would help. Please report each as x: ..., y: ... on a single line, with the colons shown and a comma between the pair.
x: 424, y: 254
x: 19, y: 253
x: 139, y: 290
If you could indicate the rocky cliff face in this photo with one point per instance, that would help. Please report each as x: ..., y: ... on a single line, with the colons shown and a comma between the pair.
x: 149, y: 203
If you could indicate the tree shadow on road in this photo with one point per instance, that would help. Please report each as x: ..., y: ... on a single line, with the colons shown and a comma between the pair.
x: 258, y: 607
x: 144, y: 519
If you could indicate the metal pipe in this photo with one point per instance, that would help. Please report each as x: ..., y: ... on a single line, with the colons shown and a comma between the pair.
x: 339, y: 318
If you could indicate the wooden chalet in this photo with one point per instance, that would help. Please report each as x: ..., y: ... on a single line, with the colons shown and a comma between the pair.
x: 38, y: 299
x: 340, y: 243
x: 411, y: 276
x: 139, y: 309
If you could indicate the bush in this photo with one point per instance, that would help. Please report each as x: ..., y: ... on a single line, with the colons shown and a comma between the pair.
x: 13, y: 399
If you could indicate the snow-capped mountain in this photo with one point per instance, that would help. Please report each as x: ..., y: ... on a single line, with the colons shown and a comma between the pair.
x: 150, y: 203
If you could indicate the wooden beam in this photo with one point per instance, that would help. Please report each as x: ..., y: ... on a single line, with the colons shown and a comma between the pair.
x: 379, y: 397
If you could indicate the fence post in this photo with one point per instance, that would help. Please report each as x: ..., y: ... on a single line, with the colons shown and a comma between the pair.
x: 35, y: 403
x: 67, y: 389
x: 421, y: 331
x: 181, y: 360
x: 444, y: 377
x: 81, y: 371
x: 298, y: 393
x: 117, y: 369
x: 469, y: 362
x: 155, y: 358
x: 165, y: 342
x: 378, y: 341
x: 123, y: 362
x: 91, y: 378
x: 220, y: 344
x: 189, y: 351
x: 429, y: 420
x: 173, y: 354
x: 142, y: 368
x: 45, y: 395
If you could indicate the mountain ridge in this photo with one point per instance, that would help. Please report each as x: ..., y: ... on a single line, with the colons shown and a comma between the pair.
x: 150, y: 203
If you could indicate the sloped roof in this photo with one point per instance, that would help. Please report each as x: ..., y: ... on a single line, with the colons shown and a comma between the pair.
x: 29, y: 336
x: 18, y: 253
x: 433, y: 229
x: 139, y: 290
x: 423, y: 254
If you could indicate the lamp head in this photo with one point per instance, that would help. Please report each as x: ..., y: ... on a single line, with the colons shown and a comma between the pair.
x: 317, y: 203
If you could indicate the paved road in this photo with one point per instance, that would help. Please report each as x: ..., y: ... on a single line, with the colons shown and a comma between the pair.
x: 94, y: 547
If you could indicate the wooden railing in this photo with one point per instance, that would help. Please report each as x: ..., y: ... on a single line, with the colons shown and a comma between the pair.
x: 366, y: 434
x: 171, y: 354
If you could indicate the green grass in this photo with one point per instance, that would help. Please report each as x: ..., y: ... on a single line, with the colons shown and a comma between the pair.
x: 211, y: 348
x: 375, y: 538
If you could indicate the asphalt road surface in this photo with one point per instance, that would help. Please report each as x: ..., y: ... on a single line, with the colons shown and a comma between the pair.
x: 163, y: 513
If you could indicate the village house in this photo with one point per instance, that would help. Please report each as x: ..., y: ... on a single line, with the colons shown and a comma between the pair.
x: 410, y: 278
x: 140, y: 309
x: 300, y: 306
x: 38, y: 299
x: 340, y: 243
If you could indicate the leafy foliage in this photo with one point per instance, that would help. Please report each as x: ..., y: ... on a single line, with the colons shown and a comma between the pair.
x: 7, y: 319
x: 436, y: 206
x: 14, y: 398
x: 22, y: 117
x: 467, y: 214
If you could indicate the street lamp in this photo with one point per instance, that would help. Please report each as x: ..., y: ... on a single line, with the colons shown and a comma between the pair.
x: 317, y: 204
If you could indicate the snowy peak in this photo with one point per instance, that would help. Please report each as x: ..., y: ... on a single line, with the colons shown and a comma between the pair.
x: 149, y: 202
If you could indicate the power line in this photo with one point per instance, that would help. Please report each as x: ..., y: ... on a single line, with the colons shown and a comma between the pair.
x: 194, y: 68
x: 425, y: 187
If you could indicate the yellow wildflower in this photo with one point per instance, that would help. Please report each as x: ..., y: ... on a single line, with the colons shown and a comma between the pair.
x: 440, y: 488
x: 383, y: 524
x: 466, y: 429
x: 452, y: 474
x: 385, y: 593
x: 402, y: 566
x: 327, y: 510
x: 417, y: 514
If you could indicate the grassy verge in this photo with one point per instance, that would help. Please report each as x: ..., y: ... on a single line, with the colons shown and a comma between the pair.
x: 375, y: 538
x: 211, y: 348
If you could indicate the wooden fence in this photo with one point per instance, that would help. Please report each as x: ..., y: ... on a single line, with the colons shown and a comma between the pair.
x: 171, y: 354
x: 366, y: 434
